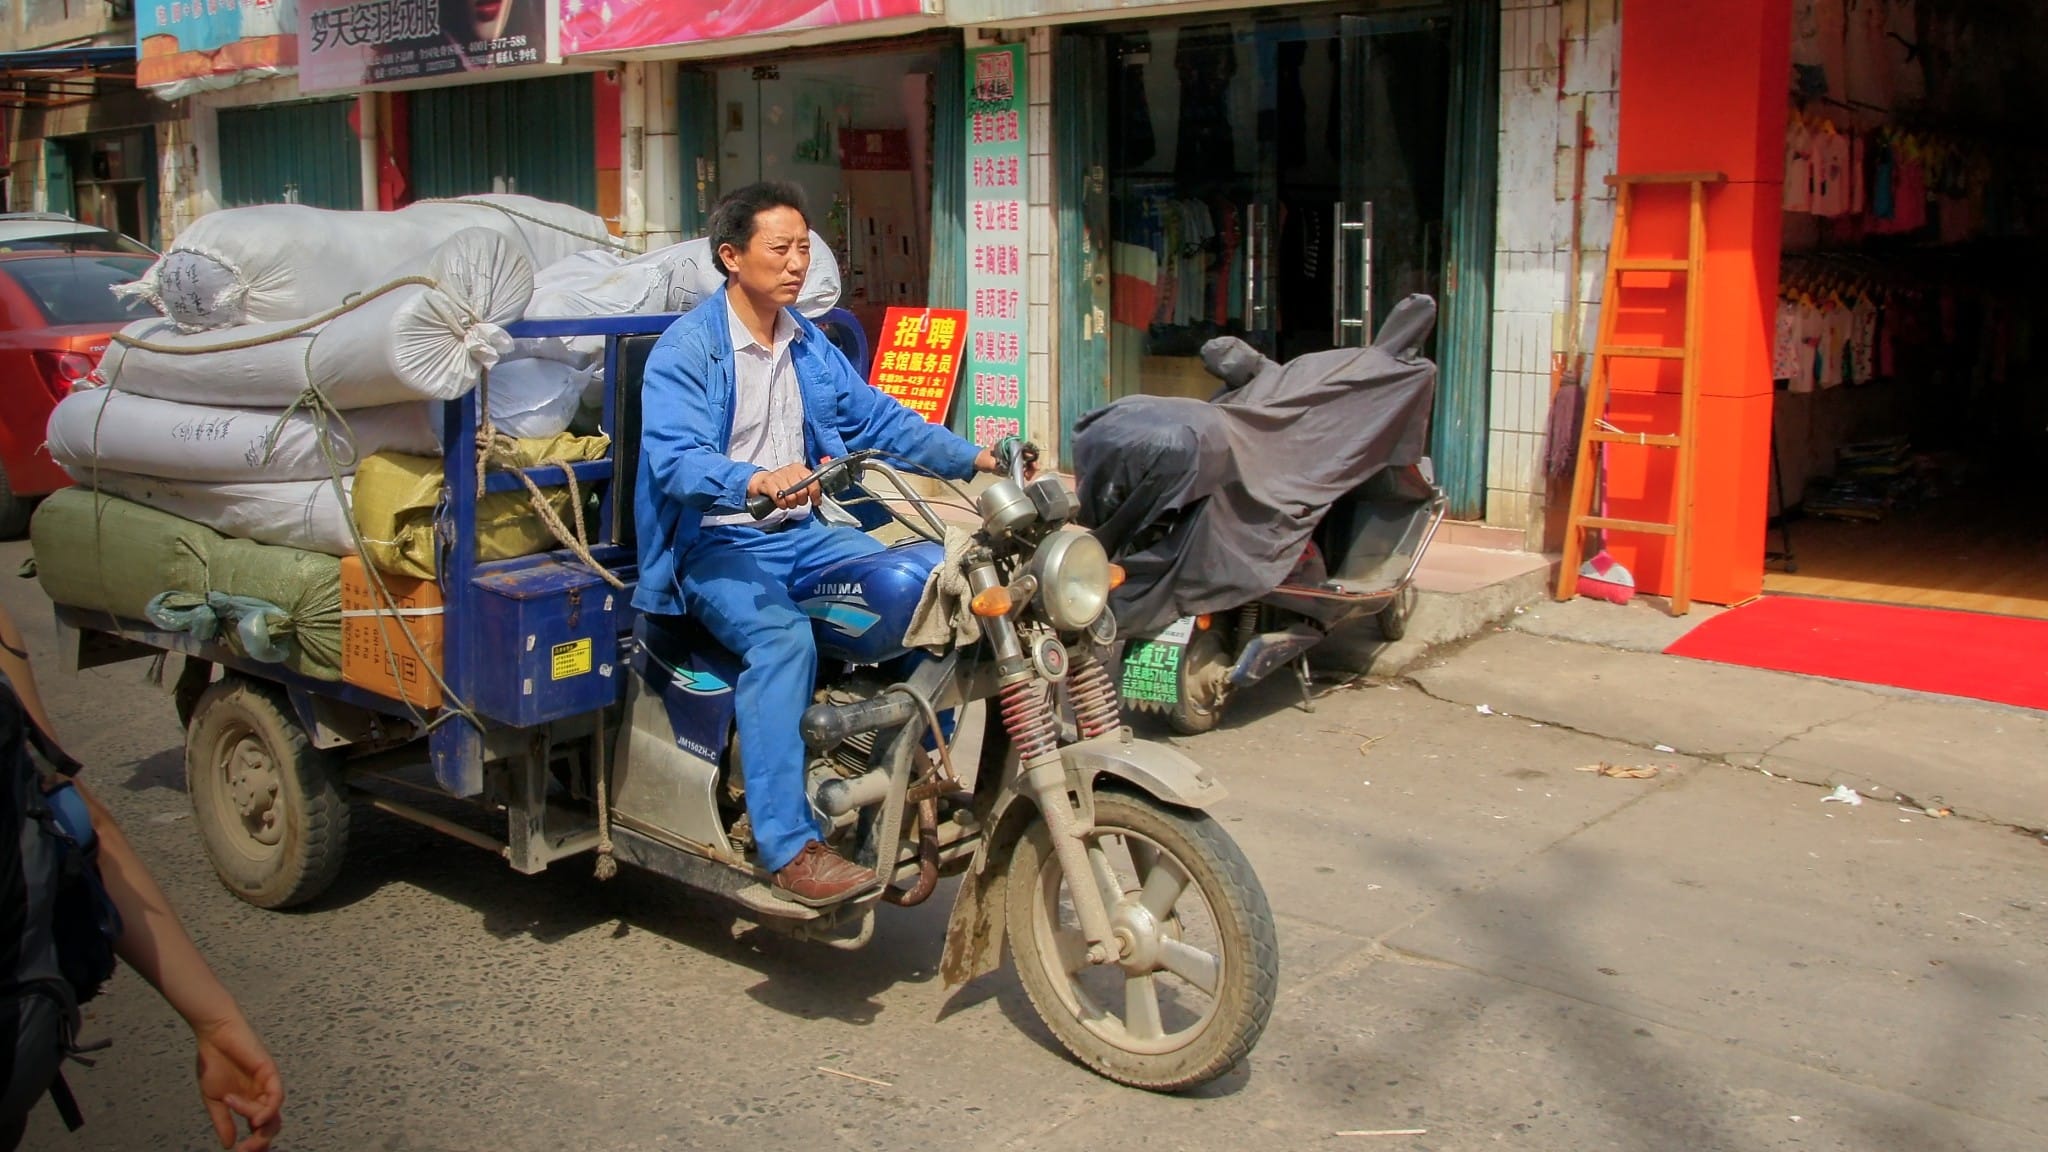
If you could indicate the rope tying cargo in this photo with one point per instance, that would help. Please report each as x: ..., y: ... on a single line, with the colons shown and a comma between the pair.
x: 605, y: 241
x: 300, y: 329
x: 494, y: 447
x: 607, y: 867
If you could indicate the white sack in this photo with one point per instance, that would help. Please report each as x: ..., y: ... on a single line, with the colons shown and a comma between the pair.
x: 590, y: 284
x: 123, y: 432
x: 290, y: 261
x: 536, y: 399
x: 598, y: 284
x: 694, y: 274
x: 412, y: 343
x: 304, y: 514
x: 551, y: 232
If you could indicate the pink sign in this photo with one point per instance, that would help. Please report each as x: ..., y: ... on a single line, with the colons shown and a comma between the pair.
x: 620, y: 25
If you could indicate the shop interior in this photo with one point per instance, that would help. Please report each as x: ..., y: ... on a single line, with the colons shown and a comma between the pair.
x: 112, y: 180
x: 1912, y: 390
x: 853, y: 131
x: 1276, y: 177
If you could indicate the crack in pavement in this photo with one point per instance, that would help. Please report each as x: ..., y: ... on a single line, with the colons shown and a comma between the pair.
x: 1727, y: 759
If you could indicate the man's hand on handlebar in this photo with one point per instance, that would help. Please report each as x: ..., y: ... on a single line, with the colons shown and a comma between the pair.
x: 999, y: 459
x: 773, y: 484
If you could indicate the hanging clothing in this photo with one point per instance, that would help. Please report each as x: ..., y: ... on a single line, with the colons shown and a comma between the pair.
x: 1206, y: 60
x: 1863, y: 319
x: 1867, y: 56
x: 1798, y: 167
x: 1135, y: 141
x: 1906, y: 75
x: 1785, y: 342
x: 1830, y: 172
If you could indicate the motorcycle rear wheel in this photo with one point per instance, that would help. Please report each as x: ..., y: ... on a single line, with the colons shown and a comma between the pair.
x: 1201, y: 963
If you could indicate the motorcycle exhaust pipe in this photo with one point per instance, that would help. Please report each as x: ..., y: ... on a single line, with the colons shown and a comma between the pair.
x: 829, y: 725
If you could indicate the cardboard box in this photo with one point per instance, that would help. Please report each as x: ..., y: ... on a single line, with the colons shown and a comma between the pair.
x: 391, y: 647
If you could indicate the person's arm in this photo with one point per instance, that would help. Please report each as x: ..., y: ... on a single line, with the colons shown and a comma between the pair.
x: 682, y: 428
x: 236, y: 1073
x: 14, y: 663
x: 871, y: 418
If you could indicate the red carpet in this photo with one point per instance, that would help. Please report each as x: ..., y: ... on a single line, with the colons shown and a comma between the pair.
x: 1998, y: 658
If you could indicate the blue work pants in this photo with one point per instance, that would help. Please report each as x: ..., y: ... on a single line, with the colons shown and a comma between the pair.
x: 736, y: 581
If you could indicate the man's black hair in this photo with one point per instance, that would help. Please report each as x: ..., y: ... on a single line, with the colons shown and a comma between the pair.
x: 732, y: 220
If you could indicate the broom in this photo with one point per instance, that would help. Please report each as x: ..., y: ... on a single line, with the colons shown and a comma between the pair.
x: 1601, y: 576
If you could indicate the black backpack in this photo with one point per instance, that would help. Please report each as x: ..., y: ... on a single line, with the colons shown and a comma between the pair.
x: 57, y: 924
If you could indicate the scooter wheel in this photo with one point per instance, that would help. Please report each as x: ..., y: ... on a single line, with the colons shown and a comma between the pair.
x: 1200, y: 707
x: 1394, y: 617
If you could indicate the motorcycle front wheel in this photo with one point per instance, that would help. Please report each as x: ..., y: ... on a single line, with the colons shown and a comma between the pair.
x: 1200, y: 964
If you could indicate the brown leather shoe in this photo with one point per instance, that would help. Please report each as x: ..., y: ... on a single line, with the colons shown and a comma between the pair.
x: 819, y: 876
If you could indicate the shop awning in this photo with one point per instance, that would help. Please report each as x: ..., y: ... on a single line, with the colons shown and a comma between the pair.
x: 80, y: 58
x: 61, y: 75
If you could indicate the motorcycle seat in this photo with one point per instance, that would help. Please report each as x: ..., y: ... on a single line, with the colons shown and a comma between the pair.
x: 672, y: 639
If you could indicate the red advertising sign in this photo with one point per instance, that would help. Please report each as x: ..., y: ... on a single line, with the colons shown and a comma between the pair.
x: 919, y: 358
x: 617, y: 25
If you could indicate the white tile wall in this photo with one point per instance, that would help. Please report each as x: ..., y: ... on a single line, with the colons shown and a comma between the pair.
x: 1043, y: 260
x: 1557, y: 56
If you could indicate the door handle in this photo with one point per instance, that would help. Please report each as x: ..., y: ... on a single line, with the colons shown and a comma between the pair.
x: 1350, y: 306
x: 1251, y: 267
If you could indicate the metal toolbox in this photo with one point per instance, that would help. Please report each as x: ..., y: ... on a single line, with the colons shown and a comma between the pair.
x: 546, y: 640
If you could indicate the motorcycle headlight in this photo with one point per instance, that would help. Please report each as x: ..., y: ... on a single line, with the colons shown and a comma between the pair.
x: 1073, y: 579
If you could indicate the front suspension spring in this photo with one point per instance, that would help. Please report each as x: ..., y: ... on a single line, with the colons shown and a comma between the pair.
x: 1027, y: 716
x: 1096, y: 711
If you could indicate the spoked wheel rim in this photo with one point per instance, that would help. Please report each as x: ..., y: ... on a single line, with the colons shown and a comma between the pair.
x: 1165, y: 991
x: 249, y: 793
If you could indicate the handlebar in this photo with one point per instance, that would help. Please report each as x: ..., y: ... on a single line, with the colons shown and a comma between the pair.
x: 830, y: 477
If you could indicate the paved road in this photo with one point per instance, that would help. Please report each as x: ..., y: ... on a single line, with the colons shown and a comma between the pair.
x: 1478, y: 940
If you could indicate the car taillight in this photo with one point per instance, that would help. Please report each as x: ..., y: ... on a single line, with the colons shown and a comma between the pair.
x: 65, y: 372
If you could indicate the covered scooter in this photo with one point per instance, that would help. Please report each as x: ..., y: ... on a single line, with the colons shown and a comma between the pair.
x: 1251, y: 525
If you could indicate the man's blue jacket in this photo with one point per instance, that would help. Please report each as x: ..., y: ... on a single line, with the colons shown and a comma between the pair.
x: 686, y: 406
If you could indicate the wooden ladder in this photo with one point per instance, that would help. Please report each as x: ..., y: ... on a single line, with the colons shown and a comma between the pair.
x: 1595, y: 429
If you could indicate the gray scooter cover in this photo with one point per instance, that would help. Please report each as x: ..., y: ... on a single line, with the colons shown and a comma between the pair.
x: 1208, y: 505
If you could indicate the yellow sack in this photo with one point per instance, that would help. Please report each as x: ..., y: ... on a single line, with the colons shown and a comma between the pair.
x: 395, y: 497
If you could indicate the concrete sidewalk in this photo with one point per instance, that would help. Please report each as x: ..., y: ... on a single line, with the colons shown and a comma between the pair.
x: 1985, y: 761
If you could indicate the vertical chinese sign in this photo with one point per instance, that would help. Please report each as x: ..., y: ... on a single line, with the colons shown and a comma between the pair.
x: 997, y: 169
x: 919, y: 355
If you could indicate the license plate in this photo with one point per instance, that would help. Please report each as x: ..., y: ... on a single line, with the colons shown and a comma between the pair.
x: 1152, y: 667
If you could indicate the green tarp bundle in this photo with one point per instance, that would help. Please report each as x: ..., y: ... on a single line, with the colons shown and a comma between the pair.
x: 94, y: 551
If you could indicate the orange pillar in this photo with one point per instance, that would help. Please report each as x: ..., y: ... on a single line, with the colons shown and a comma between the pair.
x: 1703, y: 89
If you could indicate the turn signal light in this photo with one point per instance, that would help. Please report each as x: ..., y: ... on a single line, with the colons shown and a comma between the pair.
x: 991, y: 602
x: 1202, y: 623
x: 1116, y: 576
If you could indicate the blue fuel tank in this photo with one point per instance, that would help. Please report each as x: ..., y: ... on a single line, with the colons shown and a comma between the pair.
x: 860, y: 608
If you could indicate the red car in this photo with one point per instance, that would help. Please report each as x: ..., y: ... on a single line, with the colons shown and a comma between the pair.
x: 57, y: 312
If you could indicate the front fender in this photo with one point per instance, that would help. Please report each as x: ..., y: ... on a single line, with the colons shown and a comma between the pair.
x: 974, y: 932
x: 1158, y: 770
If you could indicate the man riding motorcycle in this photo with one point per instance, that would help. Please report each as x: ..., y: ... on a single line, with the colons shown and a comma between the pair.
x: 742, y: 398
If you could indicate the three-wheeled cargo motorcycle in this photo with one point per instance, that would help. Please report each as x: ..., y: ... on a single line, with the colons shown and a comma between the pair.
x: 1139, y: 930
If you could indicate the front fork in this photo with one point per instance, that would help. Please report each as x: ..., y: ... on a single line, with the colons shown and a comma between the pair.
x: 1028, y: 716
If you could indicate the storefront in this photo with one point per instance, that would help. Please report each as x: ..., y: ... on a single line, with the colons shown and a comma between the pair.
x: 1875, y: 405
x: 858, y: 103
x: 466, y: 98
x: 1285, y: 175
x: 851, y: 127
x: 82, y: 139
